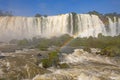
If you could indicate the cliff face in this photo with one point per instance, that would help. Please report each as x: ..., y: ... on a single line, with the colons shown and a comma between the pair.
x: 82, y: 25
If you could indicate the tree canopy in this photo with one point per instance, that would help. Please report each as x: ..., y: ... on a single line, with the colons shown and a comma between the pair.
x: 5, y: 13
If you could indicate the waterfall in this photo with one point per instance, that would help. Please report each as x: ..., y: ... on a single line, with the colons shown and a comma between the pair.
x: 77, y: 25
x: 90, y: 25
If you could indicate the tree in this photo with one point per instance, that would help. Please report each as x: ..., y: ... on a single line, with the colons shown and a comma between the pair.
x: 38, y: 15
x: 5, y: 13
x: 94, y: 13
x: 45, y: 15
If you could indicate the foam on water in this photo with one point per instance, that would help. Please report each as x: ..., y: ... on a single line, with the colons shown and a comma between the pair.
x: 85, y: 66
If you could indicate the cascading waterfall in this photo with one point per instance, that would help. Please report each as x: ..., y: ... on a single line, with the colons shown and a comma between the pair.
x: 113, y: 27
x: 77, y: 25
x: 90, y: 25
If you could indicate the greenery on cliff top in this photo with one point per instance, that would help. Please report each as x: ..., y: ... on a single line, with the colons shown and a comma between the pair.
x: 5, y: 13
x: 103, y: 17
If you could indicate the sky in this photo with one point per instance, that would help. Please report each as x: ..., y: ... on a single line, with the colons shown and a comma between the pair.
x: 54, y: 7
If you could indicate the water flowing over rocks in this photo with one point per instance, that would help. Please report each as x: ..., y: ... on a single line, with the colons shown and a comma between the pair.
x: 85, y: 66
x: 82, y: 25
x: 21, y: 65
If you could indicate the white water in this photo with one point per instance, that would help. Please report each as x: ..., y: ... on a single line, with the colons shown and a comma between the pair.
x: 85, y: 66
x: 82, y: 25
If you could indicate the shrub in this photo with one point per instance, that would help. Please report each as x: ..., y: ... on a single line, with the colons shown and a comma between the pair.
x: 23, y: 42
x: 111, y: 51
x: 46, y: 63
x: 52, y: 60
x: 100, y: 42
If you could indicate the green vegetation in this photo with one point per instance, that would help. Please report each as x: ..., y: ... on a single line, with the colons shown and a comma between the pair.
x: 23, y: 42
x: 111, y: 51
x: 102, y: 42
x: 101, y: 16
x: 112, y: 15
x: 52, y: 60
x: 110, y: 45
x: 42, y: 43
x: 39, y: 15
x: 5, y: 13
x: 104, y: 18
x: 46, y: 63
x: 94, y: 13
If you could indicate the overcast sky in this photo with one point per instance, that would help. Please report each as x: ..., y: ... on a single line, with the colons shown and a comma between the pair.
x: 54, y: 7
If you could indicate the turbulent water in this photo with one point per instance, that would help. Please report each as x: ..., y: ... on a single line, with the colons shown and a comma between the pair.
x: 82, y: 25
x: 85, y: 66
